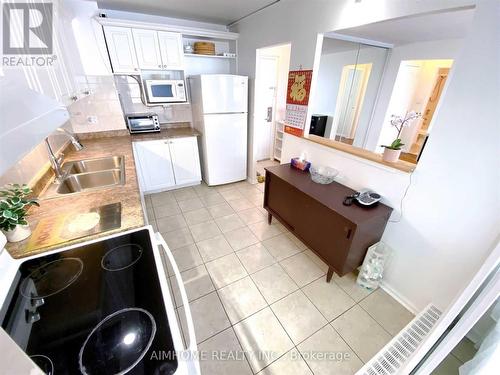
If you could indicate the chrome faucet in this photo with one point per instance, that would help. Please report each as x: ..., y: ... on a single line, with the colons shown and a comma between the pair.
x: 56, y: 161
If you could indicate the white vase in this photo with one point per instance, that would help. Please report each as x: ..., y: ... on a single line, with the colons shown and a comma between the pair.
x: 19, y: 233
x: 391, y: 155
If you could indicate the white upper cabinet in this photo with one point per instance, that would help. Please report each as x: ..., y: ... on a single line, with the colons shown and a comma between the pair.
x: 185, y: 160
x: 147, y: 49
x: 134, y: 49
x: 121, y: 49
x: 171, y: 49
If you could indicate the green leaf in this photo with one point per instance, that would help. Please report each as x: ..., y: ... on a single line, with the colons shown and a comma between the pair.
x: 7, y: 214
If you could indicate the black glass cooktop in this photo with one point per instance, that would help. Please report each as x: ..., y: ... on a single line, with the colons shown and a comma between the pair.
x: 96, y: 309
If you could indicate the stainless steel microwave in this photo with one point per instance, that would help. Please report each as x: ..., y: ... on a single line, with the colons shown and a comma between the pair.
x: 142, y: 122
x: 165, y: 91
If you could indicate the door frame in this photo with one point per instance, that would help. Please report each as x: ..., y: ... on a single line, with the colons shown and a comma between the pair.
x: 252, y: 144
x: 257, y: 121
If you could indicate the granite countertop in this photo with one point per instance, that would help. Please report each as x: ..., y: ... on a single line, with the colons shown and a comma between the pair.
x: 128, y: 195
x: 97, y: 145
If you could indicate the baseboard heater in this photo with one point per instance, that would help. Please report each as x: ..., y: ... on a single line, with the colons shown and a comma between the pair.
x: 392, y: 357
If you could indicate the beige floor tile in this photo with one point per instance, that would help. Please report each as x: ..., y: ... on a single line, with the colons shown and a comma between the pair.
x: 301, y: 269
x: 229, y: 223
x: 167, y: 209
x: 198, y: 216
x: 339, y: 359
x: 289, y: 364
x: 225, y: 187
x: 248, y: 189
x: 329, y: 298
x: 190, y: 204
x: 261, y: 187
x: 256, y: 199
x: 150, y: 214
x: 226, y: 270
x: 252, y: 215
x: 178, y: 238
x: 231, y: 194
x: 281, y: 246
x: 184, y: 194
x: 224, y: 355
x: 209, y: 317
x: 296, y: 241
x: 261, y: 334
x: 159, y: 199
x: 153, y: 224
x: 240, y: 238
x: 263, y: 230
x: 197, y: 283
x: 298, y: 316
x: 212, y: 199
x: 389, y: 313
x: 464, y: 350
x: 204, y: 231
x: 186, y: 257
x: 363, y: 334
x: 317, y: 260
x: 241, y: 299
x: 274, y: 283
x: 203, y: 189
x: 349, y: 285
x: 255, y: 257
x: 220, y: 210
x: 168, y: 224
x: 240, y: 204
x: 214, y: 248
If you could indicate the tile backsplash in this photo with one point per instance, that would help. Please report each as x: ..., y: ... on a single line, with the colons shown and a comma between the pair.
x: 100, y: 111
x: 130, y: 97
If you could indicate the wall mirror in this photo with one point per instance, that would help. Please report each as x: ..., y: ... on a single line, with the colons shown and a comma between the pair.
x: 383, y: 81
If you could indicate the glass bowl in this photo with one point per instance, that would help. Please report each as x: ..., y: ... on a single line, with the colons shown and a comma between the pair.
x: 323, y: 175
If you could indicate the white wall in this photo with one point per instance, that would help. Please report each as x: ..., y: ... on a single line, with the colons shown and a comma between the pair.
x: 450, y: 216
x: 299, y: 23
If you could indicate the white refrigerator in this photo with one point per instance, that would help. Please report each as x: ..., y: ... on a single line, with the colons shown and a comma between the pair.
x: 220, y: 104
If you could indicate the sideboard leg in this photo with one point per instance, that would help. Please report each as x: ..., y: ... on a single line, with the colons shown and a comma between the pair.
x: 269, y: 218
x: 329, y: 274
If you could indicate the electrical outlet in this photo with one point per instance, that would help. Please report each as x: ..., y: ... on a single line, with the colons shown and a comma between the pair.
x: 92, y: 119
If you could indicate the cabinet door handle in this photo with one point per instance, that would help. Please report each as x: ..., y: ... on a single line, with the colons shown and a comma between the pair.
x: 349, y: 232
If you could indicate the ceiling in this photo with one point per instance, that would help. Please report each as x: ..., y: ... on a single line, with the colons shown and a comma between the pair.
x: 405, y: 30
x: 215, y: 11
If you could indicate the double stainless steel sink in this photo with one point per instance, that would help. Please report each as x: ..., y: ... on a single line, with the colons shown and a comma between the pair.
x: 92, y: 174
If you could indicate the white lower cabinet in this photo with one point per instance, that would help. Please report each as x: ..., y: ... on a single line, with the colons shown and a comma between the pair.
x: 185, y: 160
x: 167, y: 163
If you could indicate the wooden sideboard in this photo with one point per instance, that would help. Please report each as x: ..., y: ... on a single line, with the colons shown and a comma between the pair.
x: 338, y: 234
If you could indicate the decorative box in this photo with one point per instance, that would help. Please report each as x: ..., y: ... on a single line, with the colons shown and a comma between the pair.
x: 301, y: 164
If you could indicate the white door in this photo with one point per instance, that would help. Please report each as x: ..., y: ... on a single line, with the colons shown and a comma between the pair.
x: 185, y: 160
x: 172, y: 52
x: 121, y: 49
x: 224, y: 93
x: 266, y: 85
x: 147, y: 49
x: 155, y: 165
x: 224, y: 148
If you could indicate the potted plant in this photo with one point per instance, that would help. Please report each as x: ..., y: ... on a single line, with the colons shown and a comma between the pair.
x: 14, y: 204
x: 393, y: 151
